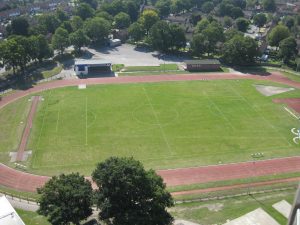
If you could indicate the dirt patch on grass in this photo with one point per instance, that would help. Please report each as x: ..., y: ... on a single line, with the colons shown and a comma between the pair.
x: 271, y: 90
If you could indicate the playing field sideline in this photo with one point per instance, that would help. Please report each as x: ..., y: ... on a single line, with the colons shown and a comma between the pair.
x: 165, y: 125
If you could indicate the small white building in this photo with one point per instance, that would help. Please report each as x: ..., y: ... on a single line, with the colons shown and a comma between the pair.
x: 8, y: 215
x: 114, y: 42
x: 91, y: 66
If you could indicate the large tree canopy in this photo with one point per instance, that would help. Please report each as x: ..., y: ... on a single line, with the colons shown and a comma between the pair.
x: 165, y: 37
x: 122, y: 20
x: 97, y: 29
x: 277, y: 34
x: 20, y: 26
x: 60, y: 40
x: 287, y: 49
x: 66, y: 199
x: 148, y: 19
x: 260, y: 19
x: 130, y: 195
x: 240, y: 50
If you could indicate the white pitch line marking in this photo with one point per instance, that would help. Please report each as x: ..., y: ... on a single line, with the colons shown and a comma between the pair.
x: 86, y: 122
x: 290, y: 112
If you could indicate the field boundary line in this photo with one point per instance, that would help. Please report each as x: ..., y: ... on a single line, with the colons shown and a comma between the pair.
x: 219, y: 110
x: 290, y: 112
x: 41, y: 130
x: 86, y: 122
x: 157, y: 120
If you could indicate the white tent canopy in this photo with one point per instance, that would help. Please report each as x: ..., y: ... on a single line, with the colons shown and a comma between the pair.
x: 8, y: 215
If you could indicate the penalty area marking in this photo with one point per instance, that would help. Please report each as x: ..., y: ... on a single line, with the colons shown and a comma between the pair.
x: 82, y: 86
x: 290, y: 112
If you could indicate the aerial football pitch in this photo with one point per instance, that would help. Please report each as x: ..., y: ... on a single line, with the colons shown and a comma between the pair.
x: 164, y: 125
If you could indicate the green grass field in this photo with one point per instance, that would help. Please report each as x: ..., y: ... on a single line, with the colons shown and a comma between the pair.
x: 165, y: 125
x: 217, y: 212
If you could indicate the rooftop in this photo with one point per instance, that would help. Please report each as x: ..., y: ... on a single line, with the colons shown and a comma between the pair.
x: 91, y: 62
x: 203, y: 61
x: 8, y: 215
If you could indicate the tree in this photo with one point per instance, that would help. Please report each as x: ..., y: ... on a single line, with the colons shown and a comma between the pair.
x: 76, y: 23
x: 230, y: 33
x: 202, y: 25
x: 181, y: 5
x: 207, y: 7
x: 60, y: 40
x: 214, y: 33
x: 250, y: 4
x: 61, y: 15
x: 198, y: 44
x: 92, y: 3
x: 277, y: 34
x: 136, y: 31
x: 48, y: 23
x: 41, y: 49
x: 20, y: 26
x: 178, y: 37
x: 160, y: 36
x: 287, y: 49
x: 15, y: 52
x: 242, y: 24
x: 79, y: 39
x: 97, y: 29
x: 163, y: 7
x: 130, y: 195
x: 84, y: 11
x: 260, y: 19
x: 148, y: 19
x: 289, y: 21
x: 132, y: 9
x: 227, y: 21
x: 195, y: 18
x: 66, y: 199
x: 105, y: 15
x: 114, y: 7
x: 240, y: 50
x: 269, y: 5
x: 236, y: 12
x: 122, y: 20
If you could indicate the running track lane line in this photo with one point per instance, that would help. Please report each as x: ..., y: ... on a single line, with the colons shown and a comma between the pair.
x: 27, y: 129
x: 29, y: 182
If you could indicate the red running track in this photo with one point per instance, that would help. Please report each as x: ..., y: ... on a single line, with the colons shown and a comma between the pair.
x: 28, y: 182
x: 26, y: 132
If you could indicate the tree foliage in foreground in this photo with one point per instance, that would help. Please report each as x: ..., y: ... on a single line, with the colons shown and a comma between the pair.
x: 130, y: 195
x: 66, y: 199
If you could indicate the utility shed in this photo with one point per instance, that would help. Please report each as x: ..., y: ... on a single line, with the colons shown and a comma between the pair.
x: 91, y: 66
x: 202, y: 65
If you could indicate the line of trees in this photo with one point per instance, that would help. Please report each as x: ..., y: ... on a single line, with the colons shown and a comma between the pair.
x: 127, y: 194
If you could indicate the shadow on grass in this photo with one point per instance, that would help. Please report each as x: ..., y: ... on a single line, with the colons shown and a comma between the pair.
x: 253, y: 70
x: 33, y: 73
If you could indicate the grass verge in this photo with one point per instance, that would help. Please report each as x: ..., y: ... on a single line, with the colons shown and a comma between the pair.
x: 161, y: 67
x: 30, y: 196
x: 32, y: 218
x: 219, y: 211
